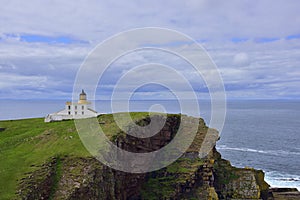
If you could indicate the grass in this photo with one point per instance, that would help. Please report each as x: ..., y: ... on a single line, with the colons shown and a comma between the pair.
x: 57, y: 177
x: 27, y: 144
x: 226, y: 173
x: 178, y: 173
x: 184, y: 165
x: 162, y: 187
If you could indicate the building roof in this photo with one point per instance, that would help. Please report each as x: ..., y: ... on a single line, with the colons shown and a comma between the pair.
x: 82, y: 92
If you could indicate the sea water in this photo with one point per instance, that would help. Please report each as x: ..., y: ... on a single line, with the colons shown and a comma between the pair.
x: 263, y: 134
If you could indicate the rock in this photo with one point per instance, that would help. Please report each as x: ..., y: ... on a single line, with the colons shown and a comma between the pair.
x: 190, y: 177
x: 283, y: 194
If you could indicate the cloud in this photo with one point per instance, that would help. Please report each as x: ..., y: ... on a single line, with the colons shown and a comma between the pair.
x: 272, y: 73
x: 9, y: 81
x: 254, y: 44
x: 96, y: 20
x: 241, y: 60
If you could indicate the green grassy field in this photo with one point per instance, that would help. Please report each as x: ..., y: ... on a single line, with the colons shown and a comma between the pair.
x: 28, y: 143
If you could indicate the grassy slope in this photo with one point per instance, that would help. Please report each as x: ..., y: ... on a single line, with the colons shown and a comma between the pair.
x: 31, y: 142
x: 26, y: 144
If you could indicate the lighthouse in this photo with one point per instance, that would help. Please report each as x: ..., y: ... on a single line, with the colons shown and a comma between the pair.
x: 74, y: 110
x: 82, y: 98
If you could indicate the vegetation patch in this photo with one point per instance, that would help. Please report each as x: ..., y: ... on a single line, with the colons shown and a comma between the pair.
x: 165, y: 182
x: 56, y: 177
x: 225, y: 172
x: 184, y: 165
x: 162, y: 187
x: 28, y: 143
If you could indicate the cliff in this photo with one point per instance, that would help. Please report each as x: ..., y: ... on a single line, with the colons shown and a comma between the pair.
x: 74, y: 174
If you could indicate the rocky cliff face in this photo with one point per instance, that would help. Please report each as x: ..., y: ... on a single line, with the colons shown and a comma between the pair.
x: 188, y: 178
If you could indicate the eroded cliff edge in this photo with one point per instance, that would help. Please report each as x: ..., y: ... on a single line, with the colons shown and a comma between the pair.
x: 69, y: 177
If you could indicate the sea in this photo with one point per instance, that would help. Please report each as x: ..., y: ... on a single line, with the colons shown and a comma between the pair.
x: 263, y: 134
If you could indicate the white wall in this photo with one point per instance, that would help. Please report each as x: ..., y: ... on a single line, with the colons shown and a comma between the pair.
x: 72, y: 111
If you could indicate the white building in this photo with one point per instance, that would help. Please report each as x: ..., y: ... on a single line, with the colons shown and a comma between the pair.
x: 78, y: 110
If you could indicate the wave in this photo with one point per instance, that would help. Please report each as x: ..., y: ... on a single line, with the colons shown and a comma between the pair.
x: 274, y: 178
x: 270, y: 152
x: 288, y: 179
x: 277, y: 179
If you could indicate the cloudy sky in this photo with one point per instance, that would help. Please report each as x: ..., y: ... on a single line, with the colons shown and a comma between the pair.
x: 254, y: 43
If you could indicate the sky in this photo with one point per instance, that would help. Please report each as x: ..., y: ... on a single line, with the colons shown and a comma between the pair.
x: 254, y: 43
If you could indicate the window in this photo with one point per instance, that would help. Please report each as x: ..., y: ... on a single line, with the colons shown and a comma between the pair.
x: 75, y: 113
x: 69, y: 113
x: 69, y: 107
x: 82, y: 107
x: 82, y: 113
x: 75, y: 107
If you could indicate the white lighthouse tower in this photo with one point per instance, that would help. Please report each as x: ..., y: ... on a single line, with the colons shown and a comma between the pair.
x: 78, y: 110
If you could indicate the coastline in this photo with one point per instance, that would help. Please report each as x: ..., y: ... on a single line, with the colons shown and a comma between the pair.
x: 245, y: 122
x: 68, y: 135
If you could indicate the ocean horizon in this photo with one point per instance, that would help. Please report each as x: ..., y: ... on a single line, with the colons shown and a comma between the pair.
x: 263, y: 134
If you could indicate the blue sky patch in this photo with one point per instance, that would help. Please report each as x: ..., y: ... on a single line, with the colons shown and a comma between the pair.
x: 169, y: 44
x: 290, y: 37
x: 265, y: 40
x: 237, y: 40
x: 50, y: 39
